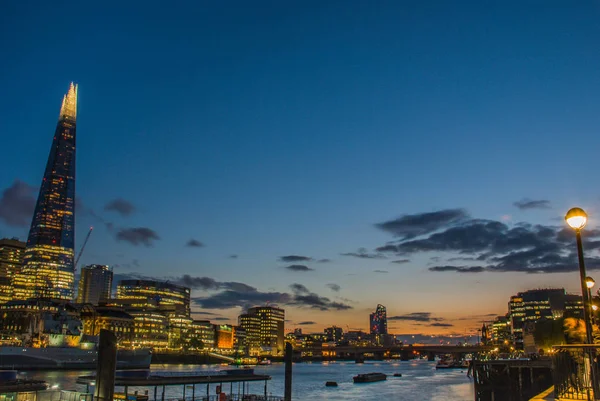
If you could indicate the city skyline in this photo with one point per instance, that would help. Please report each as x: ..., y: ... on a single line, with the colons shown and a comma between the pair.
x: 324, y: 171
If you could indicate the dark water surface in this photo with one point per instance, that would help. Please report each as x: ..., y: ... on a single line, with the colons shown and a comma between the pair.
x: 420, y: 381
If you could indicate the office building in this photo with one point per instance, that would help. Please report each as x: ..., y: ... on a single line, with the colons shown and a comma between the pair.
x: 527, y: 307
x: 95, y: 284
x: 201, y: 335
x: 11, y: 257
x: 48, y: 270
x: 500, y: 330
x: 264, y: 326
x: 378, y: 321
x: 166, y: 296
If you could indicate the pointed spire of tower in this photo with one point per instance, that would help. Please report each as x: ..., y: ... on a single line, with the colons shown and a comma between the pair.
x: 69, y: 105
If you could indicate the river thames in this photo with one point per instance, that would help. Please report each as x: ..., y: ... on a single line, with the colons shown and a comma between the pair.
x: 420, y: 381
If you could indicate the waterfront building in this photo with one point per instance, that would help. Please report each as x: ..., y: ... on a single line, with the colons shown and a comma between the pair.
x: 239, y: 339
x: 149, y: 328
x: 95, y: 284
x: 165, y: 295
x: 178, y: 330
x: 378, y: 320
x: 530, y: 306
x: 48, y: 270
x: 501, y: 330
x: 334, y: 333
x: 39, y: 322
x: 201, y: 335
x: 264, y: 327
x: 115, y: 319
x: 224, y: 334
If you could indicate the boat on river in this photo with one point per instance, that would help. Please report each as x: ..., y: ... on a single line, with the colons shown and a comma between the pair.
x: 369, y: 377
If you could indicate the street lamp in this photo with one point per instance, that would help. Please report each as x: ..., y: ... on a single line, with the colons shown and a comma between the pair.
x: 576, y: 219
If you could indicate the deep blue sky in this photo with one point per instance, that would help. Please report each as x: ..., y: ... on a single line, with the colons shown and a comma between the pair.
x: 265, y: 129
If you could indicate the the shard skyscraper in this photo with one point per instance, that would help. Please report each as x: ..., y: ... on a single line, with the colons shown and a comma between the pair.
x: 48, y: 270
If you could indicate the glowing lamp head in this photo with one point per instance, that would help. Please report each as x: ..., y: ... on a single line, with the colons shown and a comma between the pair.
x: 595, y: 307
x: 576, y: 218
x: 589, y: 282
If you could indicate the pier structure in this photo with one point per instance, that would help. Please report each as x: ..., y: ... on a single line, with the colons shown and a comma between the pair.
x: 510, y: 379
x: 192, y: 385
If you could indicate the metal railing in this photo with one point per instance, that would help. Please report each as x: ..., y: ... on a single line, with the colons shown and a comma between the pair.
x: 230, y: 397
x: 574, y: 366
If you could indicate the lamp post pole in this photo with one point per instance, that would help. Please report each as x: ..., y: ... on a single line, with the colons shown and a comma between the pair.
x: 584, y: 291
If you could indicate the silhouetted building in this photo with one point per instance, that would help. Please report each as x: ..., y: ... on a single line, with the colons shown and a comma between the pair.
x: 95, y: 284
x: 264, y: 326
x: 48, y: 270
x: 334, y: 333
x: 378, y: 321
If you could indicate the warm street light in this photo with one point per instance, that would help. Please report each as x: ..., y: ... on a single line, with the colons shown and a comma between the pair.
x: 589, y: 282
x: 576, y: 218
x: 594, y: 307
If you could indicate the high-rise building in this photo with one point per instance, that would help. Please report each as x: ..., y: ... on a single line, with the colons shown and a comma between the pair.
x: 48, y: 270
x: 11, y: 260
x: 164, y: 294
x: 527, y: 307
x: 95, y: 284
x: 264, y: 326
x: 378, y: 320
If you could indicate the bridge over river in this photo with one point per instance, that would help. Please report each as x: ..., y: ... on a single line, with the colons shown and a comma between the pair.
x: 404, y: 352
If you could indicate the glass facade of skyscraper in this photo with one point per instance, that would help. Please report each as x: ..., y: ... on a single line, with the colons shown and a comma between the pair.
x: 165, y: 295
x: 48, y: 270
x: 94, y: 284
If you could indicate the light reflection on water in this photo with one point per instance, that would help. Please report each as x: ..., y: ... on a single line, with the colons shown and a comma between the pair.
x: 419, y: 382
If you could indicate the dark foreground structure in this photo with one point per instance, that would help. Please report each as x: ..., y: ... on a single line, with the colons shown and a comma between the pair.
x: 510, y: 379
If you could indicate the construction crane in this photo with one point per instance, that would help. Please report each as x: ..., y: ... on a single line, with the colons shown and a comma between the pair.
x: 87, y: 237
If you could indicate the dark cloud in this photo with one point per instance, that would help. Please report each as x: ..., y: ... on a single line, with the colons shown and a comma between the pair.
x: 17, y: 204
x: 207, y: 283
x: 441, y: 325
x: 295, y: 258
x: 138, y: 236
x: 203, y: 313
x: 324, y: 260
x: 416, y: 317
x: 234, y: 256
x: 194, y: 243
x: 380, y: 271
x: 499, y: 247
x: 300, y: 297
x: 363, y: 253
x: 221, y: 319
x: 401, y: 261
x: 526, y: 204
x: 298, y: 268
x: 307, y: 323
x: 299, y: 289
x: 334, y: 287
x: 415, y: 225
x: 459, y: 269
x: 121, y: 206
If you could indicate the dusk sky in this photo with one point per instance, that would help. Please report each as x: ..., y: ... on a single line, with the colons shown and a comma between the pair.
x: 323, y: 156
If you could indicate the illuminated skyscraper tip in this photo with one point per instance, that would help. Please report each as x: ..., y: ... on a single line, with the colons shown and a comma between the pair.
x: 48, y: 270
x: 69, y: 104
